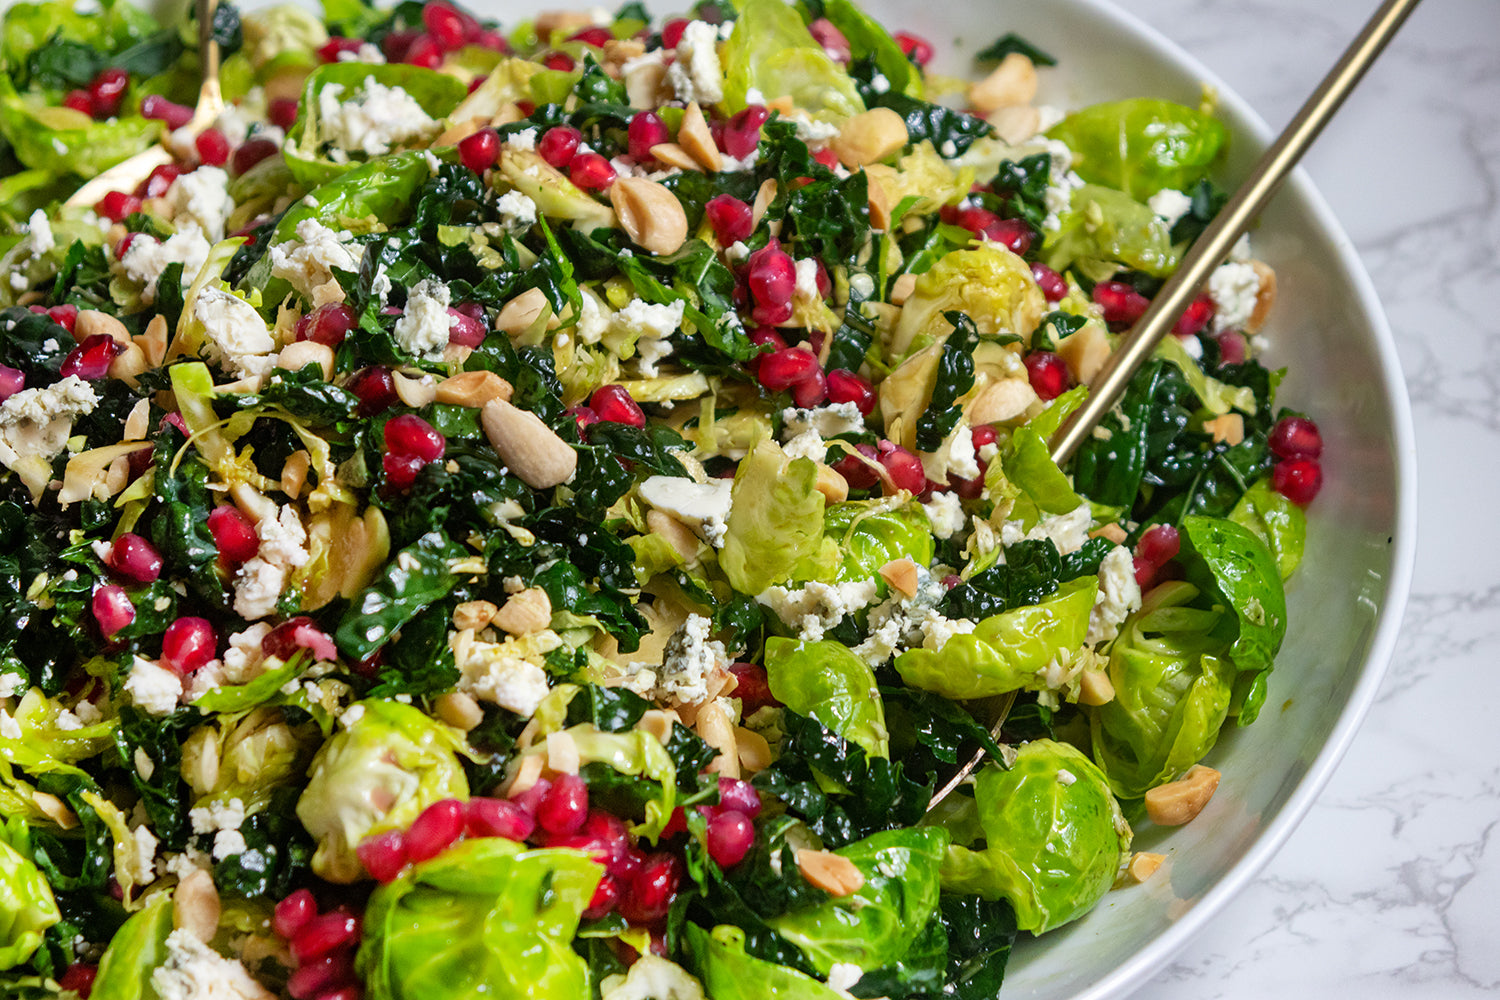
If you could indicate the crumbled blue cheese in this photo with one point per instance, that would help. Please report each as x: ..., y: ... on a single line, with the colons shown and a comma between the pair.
x: 517, y: 211
x: 689, y: 657
x: 235, y: 336
x: 507, y: 673
x: 37, y: 422
x: 704, y: 507
x: 897, y: 621
x: 244, y: 660
x: 145, y: 260
x: 374, y: 121
x: 194, y: 971
x: 954, y: 457
x: 152, y: 687
x: 308, y: 262
x: 139, y: 855
x: 842, y: 976
x: 10, y: 684
x: 937, y: 630
x: 1171, y: 204
x: 1234, y: 287
x: 828, y: 421
x: 522, y: 141
x: 808, y: 444
x: 1069, y: 532
x: 423, y: 328
x: 10, y: 729
x: 1063, y: 180
x: 813, y: 132
x: 217, y: 815
x: 816, y: 607
x: 1119, y: 595
x: 945, y: 512
x: 651, y: 977
x: 39, y: 236
x: 649, y: 325
x: 697, y: 74
x: 283, y: 548
x: 202, y: 198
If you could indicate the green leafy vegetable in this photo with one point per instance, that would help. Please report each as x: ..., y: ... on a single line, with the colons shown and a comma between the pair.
x: 826, y: 681
x: 1141, y: 145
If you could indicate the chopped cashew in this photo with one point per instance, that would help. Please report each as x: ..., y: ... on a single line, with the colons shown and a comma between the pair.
x: 1176, y: 802
x: 833, y: 873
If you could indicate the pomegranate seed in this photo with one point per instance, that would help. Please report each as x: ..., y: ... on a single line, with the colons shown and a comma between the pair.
x: 1119, y: 302
x: 321, y: 934
x: 445, y: 26
x: 671, y: 32
x: 375, y: 388
x: 982, y: 435
x: 591, y: 172
x: 859, y: 475
x: 90, y: 360
x: 676, y: 823
x: 480, y: 150
x: 827, y: 157
x: 328, y: 324
x: 1297, y: 479
x: 559, y: 144
x: 494, y: 41
x: 409, y: 434
x: 613, y: 404
x: 173, y: 419
x: 337, y: 46
x: 487, y: 817
x: 952, y: 580
x: 424, y: 52
x: 560, y: 61
x: 646, y: 132
x: 1053, y: 285
x: 780, y: 370
x: 1296, y: 437
x: 584, y: 416
x: 233, y: 533
x: 159, y: 181
x: 106, y: 91
x: 79, y: 978
x: 12, y: 381
x: 967, y: 489
x: 327, y: 972
x: 846, y: 387
x: 651, y: 889
x: 740, y: 796
x: 477, y: 82
x: 295, y: 634
x: 1048, y: 374
x: 729, y: 837
x: 401, y: 471
x: 250, y: 153
x: 188, y: 644
x: 213, y: 147
x: 742, y: 132
x: 565, y: 806
x: 464, y: 330
x: 811, y: 391
x: 383, y: 855
x: 904, y: 468
x: 435, y: 829
x: 1231, y: 347
x: 1145, y: 572
x: 134, y: 557
x: 834, y: 41
x: 127, y: 241
x: 771, y: 275
x: 765, y: 336
x: 528, y: 800
x: 112, y: 609
x: 917, y: 48
x: 79, y: 100
x: 603, y: 837
x: 351, y: 992
x: 1195, y: 317
x: 751, y: 687
x: 176, y: 115
x: 1013, y: 234
x: 596, y: 36
x: 772, y: 315
x: 731, y: 219
x: 1158, y: 545
x: 606, y: 897
x: 976, y: 220
x: 116, y: 206
x: 395, y: 45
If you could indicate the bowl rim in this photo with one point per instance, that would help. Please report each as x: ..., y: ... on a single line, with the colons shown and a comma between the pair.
x: 1158, y: 953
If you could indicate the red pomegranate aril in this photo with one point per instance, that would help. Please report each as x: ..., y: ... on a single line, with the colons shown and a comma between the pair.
x: 771, y: 315
x: 495, y: 42
x: 401, y: 471
x: 213, y: 147
x: 613, y: 404
x: 133, y: 557
x: 424, y: 52
x: 117, y: 206
x: 1232, y: 348
x: 409, y: 434
x: 300, y: 632
x: 1120, y: 303
x: 596, y: 36
x: 112, y: 609
x: 159, y: 181
x: 188, y: 643
x: 1195, y: 317
x: 646, y: 131
x: 729, y: 837
x: 1296, y: 437
x: 591, y: 172
x: 79, y: 978
x: 917, y: 48
x: 464, y: 330
x: 783, y: 369
x: 976, y: 220
x: 175, y: 115
x: 395, y: 45
x: 1013, y: 234
x: 383, y: 855
x: 742, y: 132
x: 327, y: 972
x: 480, y: 150
x: 251, y: 152
x: 676, y: 823
x: 445, y: 26
x: 1159, y: 545
x: 559, y: 144
x: 846, y: 387
x: 751, y: 687
x: 173, y: 419
x: 1053, y: 285
x: 740, y: 796
x: 834, y: 41
x: 811, y: 391
x: 606, y: 897
x: 859, y: 474
x: 584, y: 416
x: 233, y: 534
x: 732, y: 219
x: 106, y: 91
x: 671, y: 32
x: 1048, y: 374
x: 560, y: 61
x: 375, y: 388
x: 90, y: 360
x: 528, y: 800
x: 12, y: 381
x: 765, y: 336
x: 323, y: 933
x: 967, y: 489
x: 435, y: 829
x: 904, y: 468
x: 982, y: 434
x: 336, y: 46
x: 650, y: 892
x: 771, y: 275
x: 1297, y: 479
x: 328, y: 324
x: 564, y: 808
x: 487, y: 817
x: 353, y: 991
x: 1145, y: 572
x: 79, y: 100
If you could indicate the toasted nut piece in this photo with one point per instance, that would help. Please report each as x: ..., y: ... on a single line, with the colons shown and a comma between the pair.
x: 693, y: 136
x: 1142, y: 865
x: 562, y: 754
x: 1015, y: 123
x: 880, y: 196
x: 54, y: 809
x: 294, y: 472
x: 1111, y: 531
x: 474, y: 614
x: 658, y: 722
x: 138, y: 421
x: 522, y: 311
x: 755, y: 752
x: 645, y: 83
x: 833, y: 873
x: 1012, y: 82
x: 527, y: 775
x: 129, y: 364
x: 459, y: 710
x: 566, y: 21
x: 92, y: 322
x: 1264, y: 299
x: 117, y: 477
x: 531, y: 448
x: 1228, y: 428
x: 833, y: 486
x: 870, y: 137
x: 154, y: 340
x: 1084, y: 352
x: 415, y: 392
x: 509, y: 113
x: 650, y: 214
x: 296, y: 356
x: 673, y: 155
x: 677, y: 534
x: 1176, y: 802
x: 195, y: 905
x: 472, y: 389
x: 1001, y: 400
x: 764, y: 195
x: 618, y: 51
x: 1094, y: 688
x: 718, y: 732
x: 902, y: 288
x: 901, y: 574
x: 524, y: 613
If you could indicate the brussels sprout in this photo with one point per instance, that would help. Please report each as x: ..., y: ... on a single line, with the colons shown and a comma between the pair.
x: 1054, y: 835
x: 27, y: 907
x: 878, y: 924
x: 138, y: 948
x: 1217, y: 397
x: 1104, y: 228
x: 274, y: 33
x: 1277, y: 521
x: 728, y: 973
x: 485, y: 919
x: 871, y: 533
x: 1028, y: 464
x: 772, y: 51
x: 633, y: 753
x: 1005, y: 652
x: 378, y: 774
x: 775, y: 528
x: 1171, y: 692
x: 652, y: 978
x: 988, y: 283
x: 826, y: 681
x: 1141, y: 145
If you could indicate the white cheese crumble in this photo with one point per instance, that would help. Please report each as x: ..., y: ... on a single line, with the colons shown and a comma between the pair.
x: 152, y: 687
x: 689, y: 657
x: 39, y: 234
x: 808, y: 444
x: 816, y: 607
x: 373, y: 121
x: 517, y: 211
x: 648, y: 325
x: 1234, y: 287
x: 9, y: 727
x: 145, y: 259
x: 308, y: 262
x: 504, y: 672
x: 954, y: 457
x: 202, y: 198
x: 217, y: 815
x: 194, y: 971
x: 1118, y: 596
x: 945, y: 512
x: 10, y: 684
x: 522, y: 141
x: 236, y: 337
x: 259, y: 582
x: 704, y: 507
x: 697, y: 75
x: 37, y: 422
x: 1171, y: 204
x: 1069, y: 532
x: 828, y: 421
x: 423, y: 328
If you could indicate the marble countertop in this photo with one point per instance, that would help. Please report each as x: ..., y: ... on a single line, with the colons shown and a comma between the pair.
x: 1388, y: 888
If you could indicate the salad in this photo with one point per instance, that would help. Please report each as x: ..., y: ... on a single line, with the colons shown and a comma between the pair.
x: 537, y: 509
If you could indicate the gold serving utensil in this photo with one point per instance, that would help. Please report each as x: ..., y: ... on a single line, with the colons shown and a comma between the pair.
x: 1211, y: 247
x: 129, y: 173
